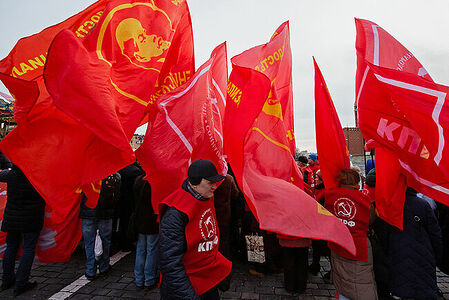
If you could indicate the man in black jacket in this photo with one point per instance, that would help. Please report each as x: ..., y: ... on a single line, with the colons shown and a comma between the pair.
x: 24, y: 215
x: 190, y: 263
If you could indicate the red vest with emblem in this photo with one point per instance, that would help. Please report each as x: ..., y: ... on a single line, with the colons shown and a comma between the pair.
x: 205, y: 266
x: 370, y: 192
x: 352, y: 208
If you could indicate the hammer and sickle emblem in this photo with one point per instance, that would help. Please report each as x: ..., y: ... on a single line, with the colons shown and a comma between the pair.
x: 345, y: 209
x: 143, y: 47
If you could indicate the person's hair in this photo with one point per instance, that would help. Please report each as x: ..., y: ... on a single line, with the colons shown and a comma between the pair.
x: 303, y: 159
x: 318, y: 174
x: 348, y: 177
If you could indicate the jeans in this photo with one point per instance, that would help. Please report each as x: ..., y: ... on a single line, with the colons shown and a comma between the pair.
x: 13, y: 240
x: 146, y: 259
x: 89, y: 229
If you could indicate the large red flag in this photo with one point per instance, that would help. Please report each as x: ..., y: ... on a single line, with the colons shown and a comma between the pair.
x: 415, y: 128
x: 379, y: 116
x: 330, y: 140
x: 57, y: 153
x: 27, y: 59
x: 187, y: 126
x: 258, y: 149
x: 137, y: 51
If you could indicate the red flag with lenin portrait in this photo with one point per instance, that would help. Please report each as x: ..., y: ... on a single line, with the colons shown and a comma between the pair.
x: 330, y: 140
x: 187, y: 126
x: 406, y: 131
x: 48, y: 141
x: 41, y: 127
x: 137, y: 52
x: 258, y: 148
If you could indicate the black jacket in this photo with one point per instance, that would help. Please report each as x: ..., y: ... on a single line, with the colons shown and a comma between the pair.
x: 109, y: 194
x: 146, y: 220
x: 172, y: 247
x: 413, y: 252
x: 25, y: 208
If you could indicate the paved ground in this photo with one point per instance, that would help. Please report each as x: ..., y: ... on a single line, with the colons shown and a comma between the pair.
x: 66, y: 281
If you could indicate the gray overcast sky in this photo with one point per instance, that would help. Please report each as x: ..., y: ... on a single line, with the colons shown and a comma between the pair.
x: 321, y: 28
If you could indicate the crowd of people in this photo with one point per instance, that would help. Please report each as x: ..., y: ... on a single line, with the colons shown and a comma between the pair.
x: 187, y: 248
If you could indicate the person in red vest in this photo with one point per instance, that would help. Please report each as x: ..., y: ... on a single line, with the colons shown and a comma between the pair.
x: 352, y: 274
x: 314, y: 165
x: 190, y: 263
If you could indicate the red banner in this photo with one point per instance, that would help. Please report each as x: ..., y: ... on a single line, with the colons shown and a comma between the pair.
x: 187, y: 126
x: 410, y: 135
x: 138, y: 51
x: 27, y: 59
x: 274, y: 60
x: 62, y: 155
x: 259, y: 151
x: 330, y: 140
x: 415, y: 127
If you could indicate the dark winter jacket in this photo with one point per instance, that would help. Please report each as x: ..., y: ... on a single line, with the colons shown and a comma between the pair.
x: 109, y: 194
x: 172, y: 247
x: 146, y: 220
x: 223, y: 196
x: 413, y: 252
x: 5, y: 163
x: 25, y: 208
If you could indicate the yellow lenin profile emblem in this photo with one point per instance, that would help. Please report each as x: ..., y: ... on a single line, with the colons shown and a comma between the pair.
x: 135, y: 38
x: 134, y: 42
x: 142, y: 38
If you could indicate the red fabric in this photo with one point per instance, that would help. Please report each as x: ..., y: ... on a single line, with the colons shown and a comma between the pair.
x: 388, y: 121
x: 330, y: 140
x: 187, y: 126
x: 309, y: 175
x: 259, y: 152
x: 315, y: 166
x: 136, y: 51
x: 274, y: 60
x: 27, y: 59
x: 352, y: 208
x: 41, y: 127
x: 61, y: 156
x: 370, y: 192
x: 319, y: 195
x: 205, y: 266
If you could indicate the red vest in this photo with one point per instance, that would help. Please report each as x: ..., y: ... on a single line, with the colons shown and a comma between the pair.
x: 370, y: 192
x: 205, y: 266
x: 352, y: 208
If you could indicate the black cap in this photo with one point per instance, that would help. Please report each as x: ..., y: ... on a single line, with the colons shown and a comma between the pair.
x: 203, y: 168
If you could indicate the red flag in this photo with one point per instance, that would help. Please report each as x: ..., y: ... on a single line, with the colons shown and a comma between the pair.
x: 188, y: 126
x: 137, y: 51
x: 73, y: 155
x: 274, y: 60
x: 58, y: 154
x: 415, y: 127
x: 384, y: 123
x: 27, y: 59
x: 330, y: 140
x: 259, y: 151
